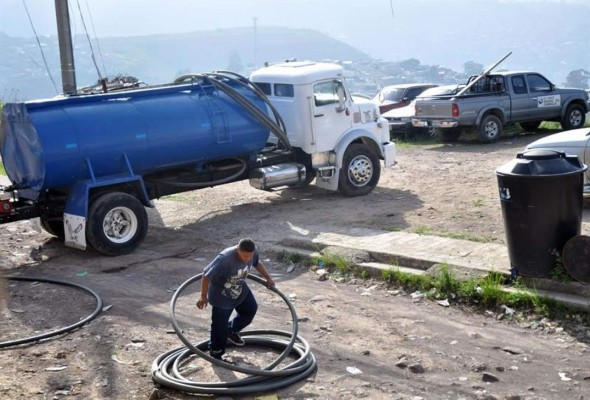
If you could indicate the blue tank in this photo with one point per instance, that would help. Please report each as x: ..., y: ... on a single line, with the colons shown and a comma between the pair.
x: 52, y: 144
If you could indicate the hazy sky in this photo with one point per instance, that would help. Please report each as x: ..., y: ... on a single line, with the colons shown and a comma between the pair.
x: 377, y: 22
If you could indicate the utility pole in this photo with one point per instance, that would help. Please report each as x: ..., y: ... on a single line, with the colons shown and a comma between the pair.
x: 66, y: 51
x: 255, y: 19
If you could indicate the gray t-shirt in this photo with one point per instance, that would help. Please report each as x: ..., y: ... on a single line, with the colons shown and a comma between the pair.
x: 227, y: 278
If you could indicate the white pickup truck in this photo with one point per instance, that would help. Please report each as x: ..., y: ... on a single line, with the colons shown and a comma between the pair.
x: 491, y: 101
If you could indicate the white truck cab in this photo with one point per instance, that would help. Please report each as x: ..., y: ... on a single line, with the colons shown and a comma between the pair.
x: 344, y: 136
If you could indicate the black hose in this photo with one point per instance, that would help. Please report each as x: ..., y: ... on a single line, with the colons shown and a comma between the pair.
x: 277, y: 128
x: 59, y: 331
x: 248, y: 84
x: 198, y: 185
x: 165, y: 368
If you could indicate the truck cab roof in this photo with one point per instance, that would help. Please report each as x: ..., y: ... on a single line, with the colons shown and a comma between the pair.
x: 297, y: 73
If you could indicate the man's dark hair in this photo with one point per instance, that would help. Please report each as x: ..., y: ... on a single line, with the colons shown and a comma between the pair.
x: 247, y: 245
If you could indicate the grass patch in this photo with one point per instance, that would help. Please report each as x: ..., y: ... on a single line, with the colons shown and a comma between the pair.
x: 490, y: 291
x: 288, y: 257
x: 415, y: 141
x: 558, y: 272
x: 486, y: 291
x: 330, y: 261
x: 426, y: 230
x: 2, y: 170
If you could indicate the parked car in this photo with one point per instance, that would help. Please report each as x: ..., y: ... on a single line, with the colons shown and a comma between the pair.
x: 576, y: 142
x: 400, y: 119
x: 397, y: 96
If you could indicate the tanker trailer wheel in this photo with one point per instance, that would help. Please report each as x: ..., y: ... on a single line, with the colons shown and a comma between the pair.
x: 490, y: 129
x: 574, y: 117
x: 360, y: 171
x: 53, y: 225
x: 117, y: 224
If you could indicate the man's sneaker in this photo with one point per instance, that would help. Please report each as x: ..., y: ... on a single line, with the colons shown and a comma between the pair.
x: 235, y: 339
x: 216, y: 354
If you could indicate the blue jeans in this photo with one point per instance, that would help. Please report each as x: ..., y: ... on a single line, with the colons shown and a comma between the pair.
x: 221, y: 325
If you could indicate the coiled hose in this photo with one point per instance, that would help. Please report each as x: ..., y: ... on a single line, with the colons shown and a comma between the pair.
x: 165, y: 368
x: 59, y: 331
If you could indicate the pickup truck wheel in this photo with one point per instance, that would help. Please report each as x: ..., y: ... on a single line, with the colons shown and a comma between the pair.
x: 531, y: 126
x: 574, y: 117
x: 448, y: 135
x: 490, y: 129
x: 117, y: 224
x: 54, y: 226
x: 360, y: 171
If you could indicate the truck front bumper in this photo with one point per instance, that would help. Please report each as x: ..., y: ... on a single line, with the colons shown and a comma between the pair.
x: 434, y: 123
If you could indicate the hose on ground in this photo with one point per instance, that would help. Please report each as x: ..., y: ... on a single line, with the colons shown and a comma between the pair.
x: 59, y: 331
x: 166, y: 367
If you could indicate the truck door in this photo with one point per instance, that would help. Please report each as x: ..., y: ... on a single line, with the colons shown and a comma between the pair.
x: 330, y: 120
x: 519, y: 97
x: 543, y: 103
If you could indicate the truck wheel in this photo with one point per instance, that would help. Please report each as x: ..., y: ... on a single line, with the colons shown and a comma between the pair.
x: 54, y: 226
x: 490, y: 129
x: 117, y: 224
x: 531, y: 126
x: 448, y: 135
x: 574, y: 117
x: 360, y: 171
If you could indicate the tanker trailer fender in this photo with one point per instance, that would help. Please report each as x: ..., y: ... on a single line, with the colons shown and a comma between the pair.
x: 108, y: 213
x: 356, y: 168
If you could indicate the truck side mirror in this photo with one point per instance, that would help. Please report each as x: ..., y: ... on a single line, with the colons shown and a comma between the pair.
x: 340, y: 93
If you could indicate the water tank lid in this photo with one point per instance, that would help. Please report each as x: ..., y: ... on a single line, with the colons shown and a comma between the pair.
x: 541, y: 154
x: 542, y: 162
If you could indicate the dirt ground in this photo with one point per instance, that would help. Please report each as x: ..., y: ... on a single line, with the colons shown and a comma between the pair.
x: 405, y: 347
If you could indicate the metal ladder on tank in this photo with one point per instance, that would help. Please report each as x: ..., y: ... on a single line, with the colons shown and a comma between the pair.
x: 218, y: 117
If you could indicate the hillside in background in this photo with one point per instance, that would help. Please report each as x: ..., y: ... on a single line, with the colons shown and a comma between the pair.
x: 440, y: 37
x: 160, y: 58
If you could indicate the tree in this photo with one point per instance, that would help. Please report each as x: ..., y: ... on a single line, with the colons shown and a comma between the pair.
x: 472, y: 68
x: 578, y: 79
x: 410, y: 64
x: 235, y: 62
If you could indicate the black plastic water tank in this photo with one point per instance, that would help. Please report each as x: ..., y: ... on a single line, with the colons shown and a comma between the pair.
x: 541, y: 197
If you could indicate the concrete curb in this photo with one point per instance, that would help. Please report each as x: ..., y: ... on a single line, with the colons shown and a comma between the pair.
x: 413, y: 253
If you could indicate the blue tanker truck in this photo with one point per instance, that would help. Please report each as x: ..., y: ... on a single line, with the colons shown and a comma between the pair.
x: 88, y: 165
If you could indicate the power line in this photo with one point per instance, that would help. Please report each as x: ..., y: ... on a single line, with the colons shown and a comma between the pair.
x: 89, y: 41
x: 40, y: 48
x: 104, y: 68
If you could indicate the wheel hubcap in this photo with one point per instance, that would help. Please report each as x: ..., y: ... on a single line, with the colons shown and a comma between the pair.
x: 120, y: 225
x: 576, y: 118
x: 491, y: 130
x: 360, y: 170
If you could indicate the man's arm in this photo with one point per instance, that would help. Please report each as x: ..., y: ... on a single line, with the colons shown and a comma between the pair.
x: 202, y: 302
x: 260, y: 268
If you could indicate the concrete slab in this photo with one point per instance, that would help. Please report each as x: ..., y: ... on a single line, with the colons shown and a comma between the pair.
x: 414, y: 253
x: 414, y: 250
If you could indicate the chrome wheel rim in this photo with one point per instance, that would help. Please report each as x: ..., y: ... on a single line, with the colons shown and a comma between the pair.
x: 360, y: 170
x: 120, y: 225
x: 491, y: 130
x: 576, y: 118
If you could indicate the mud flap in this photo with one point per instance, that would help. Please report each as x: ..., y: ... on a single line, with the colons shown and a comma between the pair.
x: 75, y: 231
x: 75, y: 217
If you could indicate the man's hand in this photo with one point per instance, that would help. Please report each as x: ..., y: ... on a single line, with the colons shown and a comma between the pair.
x: 270, y: 283
x: 202, y: 303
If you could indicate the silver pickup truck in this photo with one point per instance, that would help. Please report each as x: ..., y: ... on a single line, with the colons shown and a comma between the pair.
x: 491, y: 101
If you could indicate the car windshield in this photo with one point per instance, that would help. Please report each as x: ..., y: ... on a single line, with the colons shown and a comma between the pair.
x: 390, y: 95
